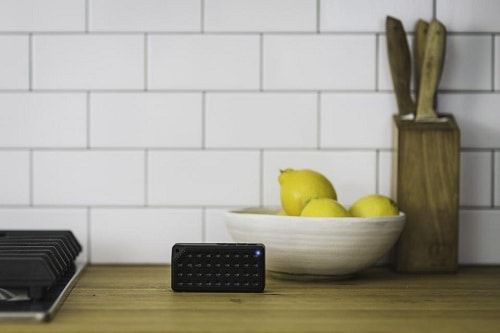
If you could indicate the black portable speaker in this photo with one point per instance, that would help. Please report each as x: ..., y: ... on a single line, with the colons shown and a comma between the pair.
x: 220, y: 267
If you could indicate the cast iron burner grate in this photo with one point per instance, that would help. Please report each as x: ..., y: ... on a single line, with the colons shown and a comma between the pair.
x: 37, y: 271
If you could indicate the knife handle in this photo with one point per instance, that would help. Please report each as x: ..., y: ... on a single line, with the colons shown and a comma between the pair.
x: 419, y: 44
x: 431, y: 70
x: 400, y: 64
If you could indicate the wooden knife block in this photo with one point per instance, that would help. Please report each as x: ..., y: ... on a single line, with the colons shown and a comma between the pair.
x: 426, y: 188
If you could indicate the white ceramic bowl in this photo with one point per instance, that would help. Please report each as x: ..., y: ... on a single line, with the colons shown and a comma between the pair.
x: 315, y: 247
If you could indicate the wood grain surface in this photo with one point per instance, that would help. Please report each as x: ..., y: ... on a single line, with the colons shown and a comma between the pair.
x: 139, y: 299
x: 400, y: 64
x: 427, y: 188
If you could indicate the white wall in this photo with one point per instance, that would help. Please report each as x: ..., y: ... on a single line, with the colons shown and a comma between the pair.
x: 137, y: 122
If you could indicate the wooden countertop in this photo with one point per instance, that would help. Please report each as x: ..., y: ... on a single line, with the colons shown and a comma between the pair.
x: 139, y: 299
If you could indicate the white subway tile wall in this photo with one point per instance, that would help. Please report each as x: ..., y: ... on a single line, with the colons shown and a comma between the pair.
x: 141, y: 235
x: 203, y: 62
x: 145, y: 15
x: 43, y: 120
x: 261, y: 120
x: 369, y: 15
x: 475, y: 178
x: 47, y: 15
x: 88, y: 178
x: 138, y: 123
x: 14, y: 177
x: 357, y: 120
x: 146, y: 120
x: 215, y: 227
x: 14, y: 62
x: 318, y: 62
x: 203, y: 178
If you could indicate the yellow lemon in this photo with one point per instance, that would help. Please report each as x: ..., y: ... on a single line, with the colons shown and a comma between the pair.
x: 324, y: 207
x: 300, y: 186
x: 281, y: 212
x: 374, y: 205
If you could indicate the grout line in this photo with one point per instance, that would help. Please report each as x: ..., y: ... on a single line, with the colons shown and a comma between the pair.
x: 203, y: 119
x: 145, y: 62
x: 318, y: 120
x: 434, y: 9
x: 30, y: 62
x: 485, y: 208
x: 261, y: 62
x: 137, y: 206
x: 492, y: 178
x: 233, y: 91
x: 377, y: 171
x: 88, y: 119
x: 93, y: 207
x: 493, y: 62
x: 87, y: 15
x: 197, y: 148
x: 214, y: 91
x: 230, y: 33
x: 89, y: 238
x: 318, y: 16
x: 270, y: 149
x: 261, y: 178
x: 377, y: 60
x: 31, y: 178
x: 467, y: 149
x: 203, y: 224
x: 202, y: 16
x: 146, y: 177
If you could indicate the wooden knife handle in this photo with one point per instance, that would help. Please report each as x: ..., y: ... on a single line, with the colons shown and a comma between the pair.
x: 431, y: 70
x: 419, y: 44
x: 400, y: 64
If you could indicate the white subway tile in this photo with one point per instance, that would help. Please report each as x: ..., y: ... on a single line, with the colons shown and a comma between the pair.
x: 46, y: 15
x: 475, y: 179
x: 351, y: 173
x: 88, y: 177
x: 477, y: 116
x: 14, y: 177
x: 42, y: 120
x: 319, y: 62
x: 14, y: 62
x: 384, y: 71
x: 369, y: 15
x: 48, y: 219
x: 215, y: 226
x: 469, y: 15
x: 497, y: 64
x: 385, y: 173
x: 497, y: 179
x: 260, y: 15
x: 203, y: 62
x: 478, y: 237
x: 88, y: 62
x: 203, y: 178
x: 141, y: 236
x: 263, y: 120
x: 145, y: 15
x: 145, y: 120
x: 467, y: 63
x: 357, y: 120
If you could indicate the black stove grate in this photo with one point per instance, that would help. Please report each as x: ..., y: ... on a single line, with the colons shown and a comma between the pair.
x: 34, y: 262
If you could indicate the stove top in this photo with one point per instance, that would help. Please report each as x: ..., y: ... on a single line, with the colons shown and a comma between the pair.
x: 15, y: 304
x: 37, y: 272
